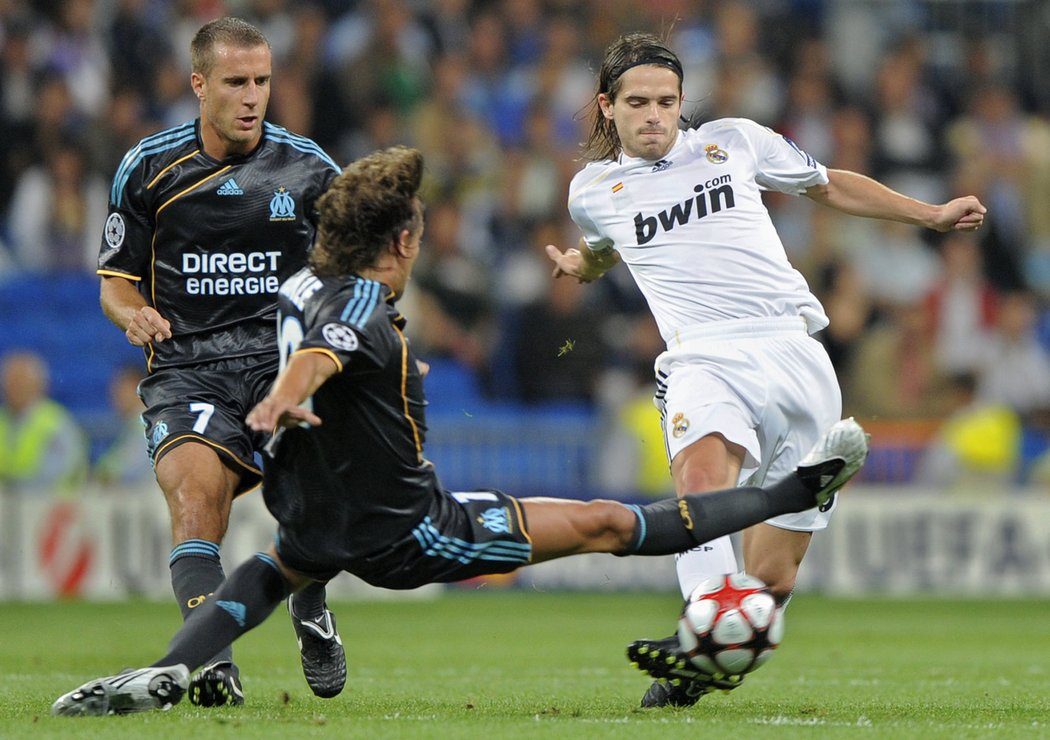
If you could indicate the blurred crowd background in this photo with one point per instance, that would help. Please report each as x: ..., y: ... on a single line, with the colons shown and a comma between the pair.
x: 942, y: 342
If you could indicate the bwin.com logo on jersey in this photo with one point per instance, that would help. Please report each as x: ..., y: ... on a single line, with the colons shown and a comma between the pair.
x: 230, y: 187
x: 282, y: 206
x: 495, y: 520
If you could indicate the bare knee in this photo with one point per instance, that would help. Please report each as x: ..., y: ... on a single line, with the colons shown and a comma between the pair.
x: 711, y: 463
x: 198, y: 512
x: 698, y: 479
x: 199, y: 490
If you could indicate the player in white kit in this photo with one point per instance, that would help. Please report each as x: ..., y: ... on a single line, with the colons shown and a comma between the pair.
x: 743, y: 389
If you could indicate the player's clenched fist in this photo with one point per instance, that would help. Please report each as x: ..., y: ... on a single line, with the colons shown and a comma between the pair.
x: 961, y: 214
x: 147, y: 326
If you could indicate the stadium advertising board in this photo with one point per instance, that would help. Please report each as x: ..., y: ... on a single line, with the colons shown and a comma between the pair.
x: 108, y: 546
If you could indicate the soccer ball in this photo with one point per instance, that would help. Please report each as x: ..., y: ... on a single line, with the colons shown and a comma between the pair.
x: 730, y: 625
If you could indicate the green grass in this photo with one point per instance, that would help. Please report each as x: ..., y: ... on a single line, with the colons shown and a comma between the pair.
x: 536, y: 665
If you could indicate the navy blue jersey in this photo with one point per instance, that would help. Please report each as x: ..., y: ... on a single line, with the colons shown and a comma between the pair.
x: 209, y: 242
x: 360, y: 475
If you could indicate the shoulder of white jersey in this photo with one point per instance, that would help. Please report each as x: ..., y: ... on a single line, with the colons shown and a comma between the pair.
x: 743, y: 125
x: 757, y: 137
x: 589, y: 177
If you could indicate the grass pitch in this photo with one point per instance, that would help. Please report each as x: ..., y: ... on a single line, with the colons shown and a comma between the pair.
x: 533, y: 665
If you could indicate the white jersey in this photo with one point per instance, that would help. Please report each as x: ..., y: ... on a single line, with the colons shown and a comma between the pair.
x: 692, y: 227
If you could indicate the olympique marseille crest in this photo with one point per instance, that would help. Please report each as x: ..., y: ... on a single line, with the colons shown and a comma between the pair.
x: 282, y: 205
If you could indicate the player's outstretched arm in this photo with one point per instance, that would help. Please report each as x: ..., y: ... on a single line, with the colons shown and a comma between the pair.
x: 859, y: 195
x: 305, y: 373
x: 125, y: 306
x: 583, y: 263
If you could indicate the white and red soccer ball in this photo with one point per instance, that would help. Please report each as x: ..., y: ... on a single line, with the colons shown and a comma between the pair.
x: 730, y: 625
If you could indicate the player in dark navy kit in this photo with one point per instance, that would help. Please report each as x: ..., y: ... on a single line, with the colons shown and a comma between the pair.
x: 206, y: 220
x: 349, y: 483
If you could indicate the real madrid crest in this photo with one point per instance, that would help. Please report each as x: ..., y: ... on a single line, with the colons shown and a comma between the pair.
x: 715, y: 155
x: 679, y: 425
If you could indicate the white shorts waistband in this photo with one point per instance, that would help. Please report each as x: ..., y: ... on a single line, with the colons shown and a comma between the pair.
x: 739, y: 329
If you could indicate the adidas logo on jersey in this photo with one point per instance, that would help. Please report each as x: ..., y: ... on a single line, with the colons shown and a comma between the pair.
x: 230, y: 187
x: 712, y: 196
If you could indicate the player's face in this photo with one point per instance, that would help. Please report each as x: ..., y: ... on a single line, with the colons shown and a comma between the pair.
x: 645, y: 110
x: 233, y: 98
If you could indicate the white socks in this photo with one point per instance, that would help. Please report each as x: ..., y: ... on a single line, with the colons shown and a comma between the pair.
x: 714, y: 558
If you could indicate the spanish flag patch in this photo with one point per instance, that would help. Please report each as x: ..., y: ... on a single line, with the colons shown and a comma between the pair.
x: 617, y: 187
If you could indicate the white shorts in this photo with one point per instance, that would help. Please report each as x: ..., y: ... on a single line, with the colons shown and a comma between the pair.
x: 763, y: 384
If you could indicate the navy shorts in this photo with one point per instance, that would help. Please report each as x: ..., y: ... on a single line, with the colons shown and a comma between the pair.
x: 463, y: 535
x: 208, y: 404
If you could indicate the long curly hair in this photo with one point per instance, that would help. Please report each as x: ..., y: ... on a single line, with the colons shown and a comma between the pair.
x: 365, y: 209
x: 630, y: 50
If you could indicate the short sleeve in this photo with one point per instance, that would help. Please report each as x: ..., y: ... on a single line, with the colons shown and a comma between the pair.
x: 350, y: 325
x: 579, y: 211
x: 127, y: 235
x: 780, y: 163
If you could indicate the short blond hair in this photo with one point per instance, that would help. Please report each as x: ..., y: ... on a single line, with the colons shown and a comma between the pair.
x: 227, y: 30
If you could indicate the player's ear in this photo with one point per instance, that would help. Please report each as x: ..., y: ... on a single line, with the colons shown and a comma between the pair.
x: 402, y: 246
x: 605, y: 105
